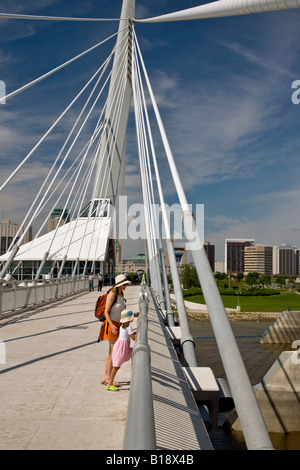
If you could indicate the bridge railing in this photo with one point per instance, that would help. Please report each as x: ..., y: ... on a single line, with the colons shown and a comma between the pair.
x: 140, y: 428
x: 16, y: 295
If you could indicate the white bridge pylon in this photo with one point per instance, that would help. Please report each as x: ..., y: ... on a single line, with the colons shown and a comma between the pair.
x: 86, y: 237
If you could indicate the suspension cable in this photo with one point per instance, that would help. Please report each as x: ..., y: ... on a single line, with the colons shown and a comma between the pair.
x: 51, y: 72
x: 252, y: 422
x: 59, y: 155
x: 146, y: 179
x: 81, y: 164
x: 177, y: 182
x: 84, y: 193
x: 16, y: 16
x: 154, y: 159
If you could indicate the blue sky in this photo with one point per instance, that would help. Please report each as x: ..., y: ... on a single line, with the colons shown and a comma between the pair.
x: 223, y: 87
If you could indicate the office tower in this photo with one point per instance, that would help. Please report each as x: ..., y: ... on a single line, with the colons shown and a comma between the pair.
x: 258, y: 259
x: 219, y: 267
x: 210, y: 252
x: 286, y: 260
x: 8, y: 231
x: 53, y: 222
x: 235, y: 254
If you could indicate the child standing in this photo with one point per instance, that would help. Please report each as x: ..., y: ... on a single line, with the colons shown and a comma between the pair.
x: 122, y: 351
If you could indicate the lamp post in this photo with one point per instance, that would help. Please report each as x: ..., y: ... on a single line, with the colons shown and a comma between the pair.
x: 238, y: 307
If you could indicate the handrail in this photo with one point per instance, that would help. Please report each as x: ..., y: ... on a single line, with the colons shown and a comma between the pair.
x: 140, y: 428
x: 16, y: 295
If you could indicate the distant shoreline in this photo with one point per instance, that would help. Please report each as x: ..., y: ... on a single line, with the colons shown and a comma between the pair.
x: 240, y: 316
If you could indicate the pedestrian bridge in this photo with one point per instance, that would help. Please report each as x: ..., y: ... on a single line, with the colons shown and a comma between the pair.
x: 50, y: 385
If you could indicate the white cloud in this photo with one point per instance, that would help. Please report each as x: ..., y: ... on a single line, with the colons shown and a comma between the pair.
x: 211, y: 133
x: 277, y: 221
x: 22, y: 28
x: 264, y: 61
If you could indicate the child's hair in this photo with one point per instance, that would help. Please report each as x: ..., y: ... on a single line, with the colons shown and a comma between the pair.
x: 124, y: 325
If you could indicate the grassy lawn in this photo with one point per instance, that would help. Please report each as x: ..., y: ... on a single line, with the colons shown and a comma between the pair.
x: 276, y: 303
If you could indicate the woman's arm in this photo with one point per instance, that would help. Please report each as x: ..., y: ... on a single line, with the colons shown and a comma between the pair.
x: 109, y: 302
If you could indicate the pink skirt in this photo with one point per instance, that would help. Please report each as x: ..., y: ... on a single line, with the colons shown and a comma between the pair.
x: 121, y: 352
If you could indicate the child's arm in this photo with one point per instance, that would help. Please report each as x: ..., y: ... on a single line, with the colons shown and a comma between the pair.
x: 133, y: 335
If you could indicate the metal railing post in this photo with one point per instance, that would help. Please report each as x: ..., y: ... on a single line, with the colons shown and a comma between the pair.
x: 168, y: 306
x: 251, y: 419
x: 140, y: 427
x: 41, y: 266
x: 30, y: 295
x: 1, y: 294
x: 187, y: 341
x: 160, y: 294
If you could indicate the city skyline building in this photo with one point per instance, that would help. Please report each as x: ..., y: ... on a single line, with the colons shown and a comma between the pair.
x: 136, y: 264
x: 235, y: 254
x: 259, y: 258
x: 57, y: 218
x: 219, y: 266
x: 8, y: 231
x: 210, y: 252
x: 241, y: 255
x: 285, y: 260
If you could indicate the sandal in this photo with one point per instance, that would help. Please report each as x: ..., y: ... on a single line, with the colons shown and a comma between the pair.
x: 116, y: 384
x: 112, y: 388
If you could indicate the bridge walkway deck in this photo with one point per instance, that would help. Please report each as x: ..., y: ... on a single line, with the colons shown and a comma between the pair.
x: 51, y: 396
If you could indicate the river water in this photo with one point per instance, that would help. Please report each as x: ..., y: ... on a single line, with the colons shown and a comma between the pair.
x: 257, y: 358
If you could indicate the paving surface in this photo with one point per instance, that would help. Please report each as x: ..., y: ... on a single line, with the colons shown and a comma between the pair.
x: 51, y: 396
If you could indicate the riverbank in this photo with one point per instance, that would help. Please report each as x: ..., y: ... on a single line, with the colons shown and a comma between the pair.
x: 270, y: 303
x: 248, y: 329
x: 193, y: 315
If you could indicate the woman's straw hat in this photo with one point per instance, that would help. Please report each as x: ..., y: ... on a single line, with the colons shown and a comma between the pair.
x: 120, y: 280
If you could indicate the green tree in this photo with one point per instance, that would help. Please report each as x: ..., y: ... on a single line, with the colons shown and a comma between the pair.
x: 220, y: 276
x: 265, y: 279
x: 280, y: 280
x: 252, y: 278
x: 239, y: 277
x: 189, y: 277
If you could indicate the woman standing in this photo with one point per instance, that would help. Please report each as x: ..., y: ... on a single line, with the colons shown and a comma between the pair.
x: 115, y: 304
